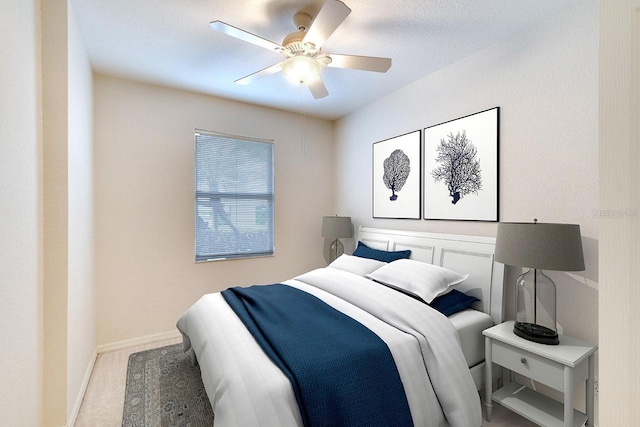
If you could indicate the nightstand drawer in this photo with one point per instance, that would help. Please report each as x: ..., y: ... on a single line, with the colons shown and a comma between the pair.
x: 528, y: 364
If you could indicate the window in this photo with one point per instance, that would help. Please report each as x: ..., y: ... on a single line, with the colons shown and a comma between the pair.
x: 234, y: 196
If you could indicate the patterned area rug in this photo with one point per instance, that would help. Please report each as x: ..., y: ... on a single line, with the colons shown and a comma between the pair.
x: 164, y: 389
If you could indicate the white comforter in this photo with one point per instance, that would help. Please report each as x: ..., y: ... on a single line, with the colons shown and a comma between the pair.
x: 247, y: 389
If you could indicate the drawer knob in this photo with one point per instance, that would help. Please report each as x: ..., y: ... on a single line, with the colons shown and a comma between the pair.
x: 523, y: 361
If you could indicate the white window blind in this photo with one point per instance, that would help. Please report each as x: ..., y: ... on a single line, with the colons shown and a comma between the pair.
x: 234, y: 196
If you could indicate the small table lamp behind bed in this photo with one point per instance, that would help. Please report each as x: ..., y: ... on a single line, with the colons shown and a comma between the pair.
x: 336, y: 227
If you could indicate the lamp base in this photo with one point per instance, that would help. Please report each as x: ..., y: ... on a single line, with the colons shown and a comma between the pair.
x: 335, y: 250
x: 536, y: 333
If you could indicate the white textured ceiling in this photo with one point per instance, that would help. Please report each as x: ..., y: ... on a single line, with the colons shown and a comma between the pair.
x: 169, y: 42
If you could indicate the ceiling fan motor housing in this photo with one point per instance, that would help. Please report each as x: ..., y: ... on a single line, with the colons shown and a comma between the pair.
x: 294, y: 46
x: 293, y: 41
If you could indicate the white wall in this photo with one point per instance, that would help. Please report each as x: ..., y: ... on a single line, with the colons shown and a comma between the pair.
x: 81, y: 325
x: 55, y: 136
x: 33, y: 173
x: 21, y: 217
x: 545, y: 81
x: 145, y: 270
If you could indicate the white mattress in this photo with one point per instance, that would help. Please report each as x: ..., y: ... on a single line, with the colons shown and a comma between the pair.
x: 469, y: 324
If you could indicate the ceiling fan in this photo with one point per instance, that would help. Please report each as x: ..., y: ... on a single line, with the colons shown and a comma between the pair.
x: 304, y: 59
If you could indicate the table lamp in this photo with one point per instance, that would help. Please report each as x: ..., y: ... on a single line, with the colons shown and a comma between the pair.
x: 538, y: 246
x: 336, y: 227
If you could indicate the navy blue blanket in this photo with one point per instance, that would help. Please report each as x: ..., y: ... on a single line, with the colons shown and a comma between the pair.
x: 342, y: 373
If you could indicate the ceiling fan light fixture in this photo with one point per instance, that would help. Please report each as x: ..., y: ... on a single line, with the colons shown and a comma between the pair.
x: 301, y: 70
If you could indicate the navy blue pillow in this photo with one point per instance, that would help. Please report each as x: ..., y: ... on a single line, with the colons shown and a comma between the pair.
x: 453, y: 302
x: 364, y: 251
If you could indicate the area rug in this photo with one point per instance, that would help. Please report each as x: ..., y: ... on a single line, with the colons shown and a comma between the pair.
x: 164, y: 389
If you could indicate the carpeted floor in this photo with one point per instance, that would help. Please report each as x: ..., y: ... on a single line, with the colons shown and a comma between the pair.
x: 165, y: 389
x: 102, y: 404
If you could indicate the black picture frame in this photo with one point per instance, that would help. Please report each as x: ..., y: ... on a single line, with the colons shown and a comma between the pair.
x: 461, y: 168
x: 396, y: 177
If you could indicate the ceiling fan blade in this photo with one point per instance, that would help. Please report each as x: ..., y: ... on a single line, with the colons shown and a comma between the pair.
x: 318, y: 89
x: 354, y: 62
x: 244, y: 35
x: 329, y: 18
x: 260, y: 74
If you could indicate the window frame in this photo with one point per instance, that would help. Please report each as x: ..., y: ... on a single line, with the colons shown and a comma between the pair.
x: 199, y: 195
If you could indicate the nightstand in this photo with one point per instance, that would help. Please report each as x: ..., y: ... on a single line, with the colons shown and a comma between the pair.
x: 561, y: 367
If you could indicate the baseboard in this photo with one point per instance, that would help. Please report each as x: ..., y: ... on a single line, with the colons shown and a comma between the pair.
x: 119, y: 345
x: 83, y: 389
x: 112, y: 347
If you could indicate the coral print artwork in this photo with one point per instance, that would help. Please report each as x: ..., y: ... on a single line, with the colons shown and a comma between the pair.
x: 396, y: 171
x: 396, y: 177
x: 461, y: 168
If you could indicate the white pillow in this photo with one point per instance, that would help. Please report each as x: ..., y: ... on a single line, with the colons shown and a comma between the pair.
x: 426, y: 281
x: 356, y: 265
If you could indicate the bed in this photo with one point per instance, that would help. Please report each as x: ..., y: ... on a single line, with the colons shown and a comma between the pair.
x: 439, y: 359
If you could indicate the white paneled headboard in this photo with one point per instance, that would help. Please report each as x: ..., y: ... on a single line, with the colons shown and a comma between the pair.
x: 465, y: 254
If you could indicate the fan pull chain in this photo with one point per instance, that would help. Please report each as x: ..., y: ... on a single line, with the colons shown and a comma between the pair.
x: 303, y: 116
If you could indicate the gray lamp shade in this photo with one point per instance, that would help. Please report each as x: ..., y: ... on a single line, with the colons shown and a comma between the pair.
x: 543, y: 246
x: 336, y: 227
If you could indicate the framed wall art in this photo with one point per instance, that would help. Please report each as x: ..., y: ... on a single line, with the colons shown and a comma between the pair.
x: 396, y: 177
x: 461, y: 168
